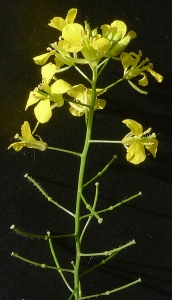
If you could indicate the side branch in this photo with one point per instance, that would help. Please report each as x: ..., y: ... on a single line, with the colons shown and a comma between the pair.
x: 109, y: 252
x: 37, y: 236
x: 112, y: 291
x: 57, y: 263
x: 101, y: 172
x: 115, y: 206
x: 104, y: 261
x: 46, y: 195
x: 34, y: 263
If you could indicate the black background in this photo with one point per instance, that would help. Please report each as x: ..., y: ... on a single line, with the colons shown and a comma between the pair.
x: 147, y: 219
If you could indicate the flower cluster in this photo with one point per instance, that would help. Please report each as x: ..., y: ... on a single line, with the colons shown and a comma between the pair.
x: 80, y: 45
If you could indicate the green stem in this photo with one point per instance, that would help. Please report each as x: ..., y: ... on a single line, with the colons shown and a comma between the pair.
x: 37, y: 236
x: 77, y: 102
x: 83, y: 74
x: 106, y: 142
x: 57, y: 263
x: 109, y: 252
x: 38, y: 264
x: 101, y: 172
x: 80, y: 187
x: 112, y: 291
x: 111, y: 85
x: 114, y: 206
x: 103, y: 64
x: 64, y: 150
x: 104, y: 261
x: 91, y: 216
x: 46, y: 195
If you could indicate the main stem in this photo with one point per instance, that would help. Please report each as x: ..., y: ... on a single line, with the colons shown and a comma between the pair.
x: 77, y: 286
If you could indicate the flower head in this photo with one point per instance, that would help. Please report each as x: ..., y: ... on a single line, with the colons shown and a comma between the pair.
x: 137, y: 140
x: 27, y: 140
x: 133, y: 68
x: 93, y: 46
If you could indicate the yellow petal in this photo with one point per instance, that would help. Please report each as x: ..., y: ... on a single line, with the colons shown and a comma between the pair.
x: 33, y: 98
x: 75, y: 112
x: 26, y: 132
x: 119, y: 26
x: 73, y: 33
x: 152, y: 148
x: 65, y: 45
x: 127, y: 60
x: 136, y: 153
x: 43, y: 111
x: 48, y: 71
x: 157, y: 76
x: 71, y: 15
x: 134, y: 126
x: 105, y: 29
x: 41, y: 59
x: 101, y: 44
x: 99, y: 104
x: 60, y: 87
x: 65, y: 60
x: 58, y: 62
x: 144, y: 80
x: 17, y: 146
x: 57, y: 23
x: 77, y: 92
x: 58, y: 99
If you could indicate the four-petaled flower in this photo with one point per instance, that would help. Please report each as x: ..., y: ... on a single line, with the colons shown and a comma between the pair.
x: 133, y: 68
x: 137, y: 140
x: 45, y: 93
x: 83, y: 96
x: 27, y: 140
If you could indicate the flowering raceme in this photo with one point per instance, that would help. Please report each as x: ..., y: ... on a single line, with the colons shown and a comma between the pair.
x: 136, y: 141
x: 27, y: 140
x: 93, y: 46
x: 132, y: 68
x: 80, y: 45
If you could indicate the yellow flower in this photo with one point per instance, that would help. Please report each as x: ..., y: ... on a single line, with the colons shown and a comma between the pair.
x: 92, y: 45
x: 136, y: 141
x: 133, y: 68
x: 44, y: 93
x: 59, y: 23
x: 27, y: 140
x: 116, y: 33
x: 83, y: 95
x: 76, y: 38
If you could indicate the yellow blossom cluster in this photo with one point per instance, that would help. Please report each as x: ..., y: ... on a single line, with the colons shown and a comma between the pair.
x: 79, y: 45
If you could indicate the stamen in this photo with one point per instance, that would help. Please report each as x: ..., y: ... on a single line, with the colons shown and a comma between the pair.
x: 49, y: 49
